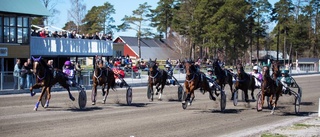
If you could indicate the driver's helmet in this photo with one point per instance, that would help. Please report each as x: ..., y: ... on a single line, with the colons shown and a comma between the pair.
x: 67, y: 63
x: 167, y: 66
x: 209, y: 70
x: 284, y: 72
x: 255, y: 68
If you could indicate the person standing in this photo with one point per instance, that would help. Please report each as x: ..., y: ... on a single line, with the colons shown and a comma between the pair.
x: 29, y: 73
x: 78, y: 72
x: 16, y: 75
x: 23, y: 75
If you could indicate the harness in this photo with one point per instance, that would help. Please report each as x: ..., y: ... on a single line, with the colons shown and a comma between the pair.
x: 153, y: 77
x: 97, y: 77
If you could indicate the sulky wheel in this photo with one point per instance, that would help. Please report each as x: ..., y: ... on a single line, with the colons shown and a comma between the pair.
x: 297, y: 104
x: 180, y: 92
x: 223, y: 101
x: 82, y: 99
x: 259, y: 102
x: 235, y: 97
x: 44, y: 98
x: 129, y: 96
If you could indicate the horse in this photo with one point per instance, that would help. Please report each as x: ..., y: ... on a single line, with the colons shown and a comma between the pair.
x: 223, y: 76
x: 194, y: 80
x: 270, y: 87
x: 157, y: 77
x: 45, y: 78
x: 244, y: 82
x: 102, y: 76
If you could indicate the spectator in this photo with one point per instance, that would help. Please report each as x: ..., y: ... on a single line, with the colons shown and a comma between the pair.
x: 23, y: 75
x: 43, y: 33
x: 96, y: 36
x: 78, y: 72
x: 29, y: 73
x: 109, y: 37
x: 55, y: 34
x: 72, y: 35
x: 16, y: 75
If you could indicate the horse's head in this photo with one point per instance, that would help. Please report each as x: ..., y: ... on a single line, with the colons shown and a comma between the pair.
x: 99, y: 62
x: 265, y: 71
x: 240, y: 70
x: 36, y: 64
x: 190, y: 68
x: 152, y: 65
x: 275, y: 69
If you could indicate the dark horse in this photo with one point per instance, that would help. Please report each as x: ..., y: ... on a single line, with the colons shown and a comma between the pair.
x: 194, y: 80
x: 157, y: 77
x: 46, y: 78
x: 102, y: 76
x: 270, y: 86
x: 244, y: 82
x: 223, y: 76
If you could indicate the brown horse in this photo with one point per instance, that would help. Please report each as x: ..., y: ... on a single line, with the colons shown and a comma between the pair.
x: 270, y: 87
x: 194, y: 80
x: 102, y: 76
x: 244, y: 82
x: 45, y: 78
x: 223, y: 76
x: 157, y: 77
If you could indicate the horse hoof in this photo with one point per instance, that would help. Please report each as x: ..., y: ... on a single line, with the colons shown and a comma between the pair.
x: 93, y: 103
x: 160, y: 99
x: 32, y: 94
x: 213, y: 98
x: 156, y: 93
x: 35, y: 109
x: 189, y: 104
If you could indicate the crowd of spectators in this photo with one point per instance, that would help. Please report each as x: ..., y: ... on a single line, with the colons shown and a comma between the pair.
x: 73, y: 35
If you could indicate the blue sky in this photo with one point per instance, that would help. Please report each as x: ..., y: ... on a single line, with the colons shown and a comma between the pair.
x: 122, y: 7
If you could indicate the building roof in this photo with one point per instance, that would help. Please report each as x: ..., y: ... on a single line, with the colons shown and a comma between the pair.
x: 151, y: 48
x: 29, y: 7
x: 308, y: 60
x: 263, y: 54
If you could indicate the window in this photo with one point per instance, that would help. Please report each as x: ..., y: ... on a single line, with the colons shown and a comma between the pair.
x: 1, y: 30
x: 14, y: 29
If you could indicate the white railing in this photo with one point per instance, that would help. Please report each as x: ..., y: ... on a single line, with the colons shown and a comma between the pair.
x: 69, y: 47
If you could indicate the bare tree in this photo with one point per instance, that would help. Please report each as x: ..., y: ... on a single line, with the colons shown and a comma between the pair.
x: 77, y: 12
x: 50, y: 5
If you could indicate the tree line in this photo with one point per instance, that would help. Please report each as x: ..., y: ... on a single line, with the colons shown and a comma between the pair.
x: 228, y: 29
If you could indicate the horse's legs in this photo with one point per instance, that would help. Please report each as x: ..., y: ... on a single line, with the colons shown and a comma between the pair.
x: 39, y: 99
x: 246, y: 97
x: 94, y: 94
x: 106, y: 93
x: 35, y: 86
x: 157, y: 88
x: 48, y: 97
x: 252, y: 94
x: 161, y: 90
x: 192, y: 96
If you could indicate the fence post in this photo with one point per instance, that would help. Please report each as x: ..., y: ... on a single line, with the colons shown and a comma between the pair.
x: 89, y: 82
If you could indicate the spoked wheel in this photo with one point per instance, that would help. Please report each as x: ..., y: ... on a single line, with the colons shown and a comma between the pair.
x: 180, y: 92
x: 44, y: 99
x: 235, y: 97
x: 129, y: 96
x: 149, y: 94
x: 297, y: 104
x: 223, y: 101
x: 82, y: 99
x: 300, y: 94
x: 185, y: 101
x: 259, y: 102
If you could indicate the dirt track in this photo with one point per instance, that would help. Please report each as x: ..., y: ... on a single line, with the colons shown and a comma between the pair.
x: 144, y: 118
